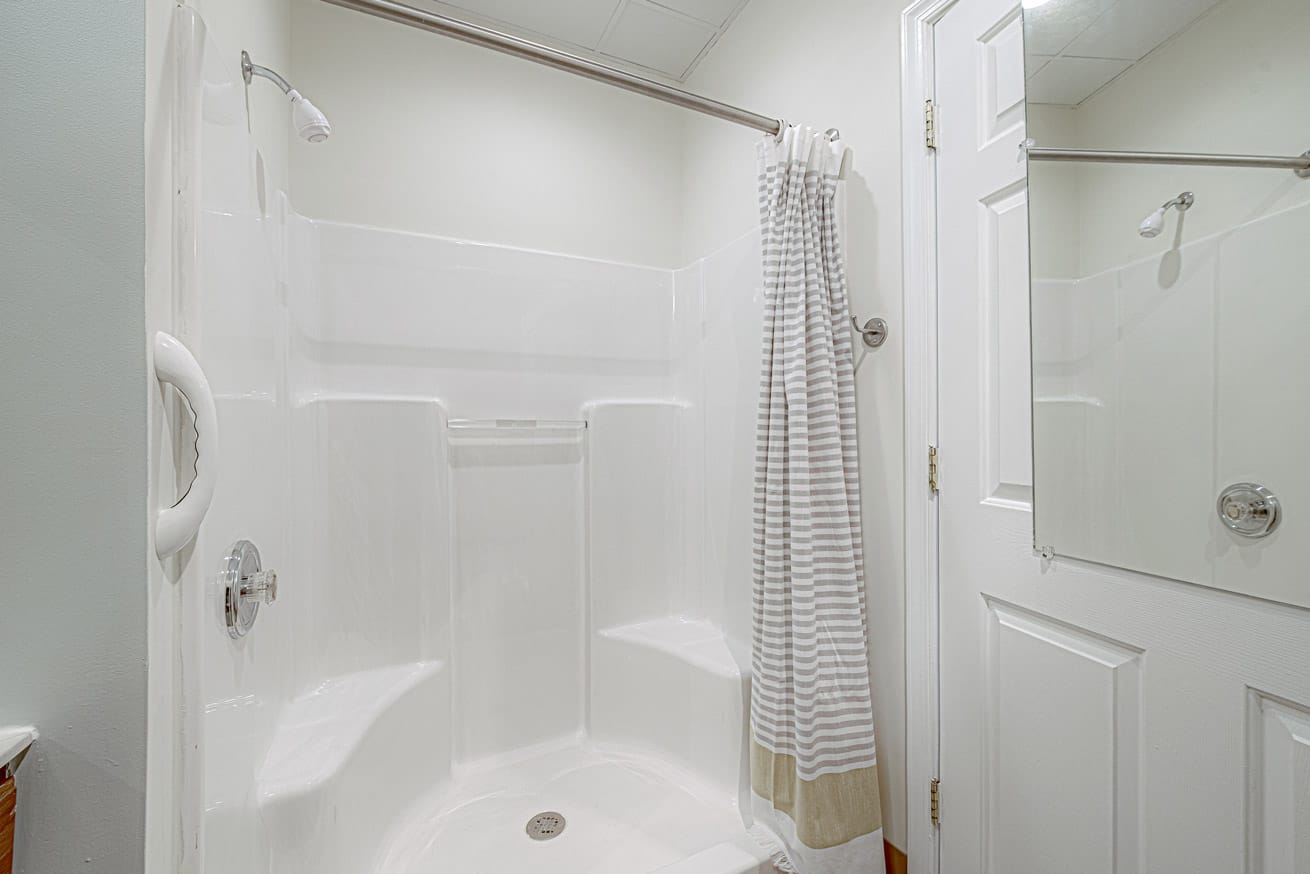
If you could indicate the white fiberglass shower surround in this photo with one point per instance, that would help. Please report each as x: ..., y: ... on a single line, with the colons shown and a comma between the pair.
x: 506, y: 496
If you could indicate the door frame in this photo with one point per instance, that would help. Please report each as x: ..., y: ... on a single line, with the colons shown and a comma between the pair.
x: 919, y: 289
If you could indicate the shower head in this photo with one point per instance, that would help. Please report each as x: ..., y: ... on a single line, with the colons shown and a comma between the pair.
x: 310, y: 123
x: 1153, y: 224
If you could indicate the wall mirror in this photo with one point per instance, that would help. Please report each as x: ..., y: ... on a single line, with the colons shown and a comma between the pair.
x: 1171, y: 291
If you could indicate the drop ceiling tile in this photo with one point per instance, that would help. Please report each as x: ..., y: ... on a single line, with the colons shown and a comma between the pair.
x: 715, y: 12
x: 1070, y: 81
x: 1132, y: 29
x: 1049, y: 27
x: 581, y: 22
x: 1033, y: 63
x: 657, y: 38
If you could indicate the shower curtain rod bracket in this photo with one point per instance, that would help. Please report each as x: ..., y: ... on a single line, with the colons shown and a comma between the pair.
x: 1304, y: 172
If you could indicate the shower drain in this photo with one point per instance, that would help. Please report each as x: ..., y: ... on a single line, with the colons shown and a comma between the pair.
x: 545, y: 826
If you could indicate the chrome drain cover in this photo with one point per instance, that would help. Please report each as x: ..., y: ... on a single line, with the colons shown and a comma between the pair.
x: 545, y: 826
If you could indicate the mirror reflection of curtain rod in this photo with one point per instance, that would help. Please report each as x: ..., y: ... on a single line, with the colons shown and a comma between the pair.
x: 1299, y: 164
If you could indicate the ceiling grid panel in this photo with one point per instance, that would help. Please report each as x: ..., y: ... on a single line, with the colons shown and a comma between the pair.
x: 665, y: 37
x: 1077, y: 48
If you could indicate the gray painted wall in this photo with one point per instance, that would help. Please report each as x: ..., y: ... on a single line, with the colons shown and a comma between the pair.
x: 73, y: 427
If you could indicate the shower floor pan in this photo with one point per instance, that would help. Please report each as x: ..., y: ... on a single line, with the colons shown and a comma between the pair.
x: 624, y: 813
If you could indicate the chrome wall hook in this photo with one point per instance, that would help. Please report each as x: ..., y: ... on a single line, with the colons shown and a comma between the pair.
x: 874, y: 332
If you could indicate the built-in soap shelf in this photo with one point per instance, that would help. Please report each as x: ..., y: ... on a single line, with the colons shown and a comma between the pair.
x: 516, y: 425
x: 515, y: 432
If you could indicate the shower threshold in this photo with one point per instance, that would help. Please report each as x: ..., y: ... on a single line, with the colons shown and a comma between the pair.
x: 626, y: 812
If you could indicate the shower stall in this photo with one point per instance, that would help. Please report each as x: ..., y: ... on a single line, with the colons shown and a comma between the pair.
x: 473, y: 592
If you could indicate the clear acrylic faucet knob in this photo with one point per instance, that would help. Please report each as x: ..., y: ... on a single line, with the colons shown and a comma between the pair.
x: 261, y: 584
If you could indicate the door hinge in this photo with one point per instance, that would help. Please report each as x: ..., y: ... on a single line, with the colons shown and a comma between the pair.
x: 930, y: 124
x: 936, y: 796
x: 932, y: 469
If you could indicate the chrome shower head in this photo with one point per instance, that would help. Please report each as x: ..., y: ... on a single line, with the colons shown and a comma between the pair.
x: 310, y: 123
x: 1153, y: 224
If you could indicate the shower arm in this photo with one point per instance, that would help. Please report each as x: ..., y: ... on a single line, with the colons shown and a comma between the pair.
x: 1182, y: 202
x: 309, y: 121
x: 249, y: 70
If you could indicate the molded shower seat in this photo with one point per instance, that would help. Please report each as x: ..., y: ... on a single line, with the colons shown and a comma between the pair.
x: 672, y: 686
x: 357, y: 750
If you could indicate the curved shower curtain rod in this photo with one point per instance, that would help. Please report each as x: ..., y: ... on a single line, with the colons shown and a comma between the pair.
x: 522, y: 48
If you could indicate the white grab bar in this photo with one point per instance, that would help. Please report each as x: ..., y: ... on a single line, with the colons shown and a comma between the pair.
x: 176, y: 366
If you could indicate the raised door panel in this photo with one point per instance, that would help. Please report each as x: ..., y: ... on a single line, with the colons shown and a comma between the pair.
x: 1279, y: 776
x: 1063, y: 718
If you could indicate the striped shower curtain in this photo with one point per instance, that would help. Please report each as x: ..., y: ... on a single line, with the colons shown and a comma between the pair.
x: 814, y: 773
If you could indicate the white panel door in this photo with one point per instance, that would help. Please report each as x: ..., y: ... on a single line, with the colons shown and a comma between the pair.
x: 1092, y: 720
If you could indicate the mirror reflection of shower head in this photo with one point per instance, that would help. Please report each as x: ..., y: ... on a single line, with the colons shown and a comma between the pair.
x: 311, y: 124
x: 1153, y: 224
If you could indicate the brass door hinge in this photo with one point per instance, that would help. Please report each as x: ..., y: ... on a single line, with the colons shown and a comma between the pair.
x: 930, y: 124
x: 936, y: 795
x: 932, y: 469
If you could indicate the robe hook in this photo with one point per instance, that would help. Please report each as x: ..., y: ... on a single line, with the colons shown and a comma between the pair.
x: 874, y: 332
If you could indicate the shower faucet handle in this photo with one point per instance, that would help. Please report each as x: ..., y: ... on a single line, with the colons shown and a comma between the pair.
x: 261, y: 584
x: 1249, y: 509
x: 244, y: 584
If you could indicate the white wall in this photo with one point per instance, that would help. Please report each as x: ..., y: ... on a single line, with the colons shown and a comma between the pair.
x: 837, y: 64
x: 72, y: 391
x: 439, y: 137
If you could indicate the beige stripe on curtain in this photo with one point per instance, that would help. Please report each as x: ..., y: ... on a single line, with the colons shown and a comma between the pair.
x: 813, y: 761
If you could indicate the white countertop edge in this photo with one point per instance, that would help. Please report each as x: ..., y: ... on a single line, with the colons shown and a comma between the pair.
x: 14, y: 741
